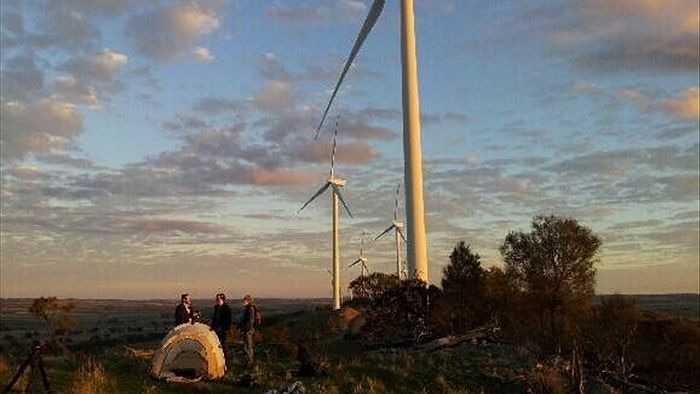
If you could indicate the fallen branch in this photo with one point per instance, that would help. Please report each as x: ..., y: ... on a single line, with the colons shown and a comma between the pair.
x: 622, y: 381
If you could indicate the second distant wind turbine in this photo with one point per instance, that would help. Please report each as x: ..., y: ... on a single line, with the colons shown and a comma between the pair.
x: 335, y: 183
x: 396, y: 225
x: 361, y: 260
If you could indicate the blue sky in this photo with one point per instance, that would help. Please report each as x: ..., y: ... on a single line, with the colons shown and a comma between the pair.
x: 154, y: 147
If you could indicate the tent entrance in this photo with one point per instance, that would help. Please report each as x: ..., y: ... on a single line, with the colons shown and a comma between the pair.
x: 189, y: 364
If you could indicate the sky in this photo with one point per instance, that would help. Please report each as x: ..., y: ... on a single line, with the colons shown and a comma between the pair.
x: 150, y: 148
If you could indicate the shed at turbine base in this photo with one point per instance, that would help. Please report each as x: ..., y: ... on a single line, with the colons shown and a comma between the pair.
x: 189, y: 352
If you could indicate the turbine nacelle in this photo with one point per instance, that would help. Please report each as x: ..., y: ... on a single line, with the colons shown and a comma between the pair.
x: 337, y: 181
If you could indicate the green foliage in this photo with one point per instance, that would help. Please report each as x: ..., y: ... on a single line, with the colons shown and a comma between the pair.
x: 553, y: 265
x: 394, y: 309
x: 463, y: 289
x: 54, y: 313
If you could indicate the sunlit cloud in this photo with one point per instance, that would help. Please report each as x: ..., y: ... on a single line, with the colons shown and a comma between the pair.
x: 202, y: 54
x: 631, y: 35
x: 169, y: 31
x: 685, y: 104
x: 42, y: 127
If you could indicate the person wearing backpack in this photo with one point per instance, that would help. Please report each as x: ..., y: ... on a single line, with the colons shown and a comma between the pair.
x: 247, y: 326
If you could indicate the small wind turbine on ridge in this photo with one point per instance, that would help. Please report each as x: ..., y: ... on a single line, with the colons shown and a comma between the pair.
x: 335, y: 183
x: 396, y: 225
x: 361, y: 260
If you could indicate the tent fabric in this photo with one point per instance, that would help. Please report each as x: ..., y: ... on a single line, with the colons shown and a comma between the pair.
x: 189, y: 351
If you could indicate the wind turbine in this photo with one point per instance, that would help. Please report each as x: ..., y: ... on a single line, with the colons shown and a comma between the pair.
x: 361, y: 260
x: 413, y: 157
x: 335, y: 183
x: 396, y: 225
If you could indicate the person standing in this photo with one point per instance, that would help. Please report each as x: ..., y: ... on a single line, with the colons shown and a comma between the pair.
x: 184, y: 312
x: 221, y: 319
x: 247, y: 327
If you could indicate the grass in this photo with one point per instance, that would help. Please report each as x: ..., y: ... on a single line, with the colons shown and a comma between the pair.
x: 120, y: 363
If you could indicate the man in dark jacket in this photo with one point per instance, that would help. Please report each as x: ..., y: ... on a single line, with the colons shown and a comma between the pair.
x: 184, y: 312
x: 221, y: 319
x: 247, y: 327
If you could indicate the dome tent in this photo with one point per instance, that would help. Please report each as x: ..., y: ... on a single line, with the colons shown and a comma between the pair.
x: 189, y: 352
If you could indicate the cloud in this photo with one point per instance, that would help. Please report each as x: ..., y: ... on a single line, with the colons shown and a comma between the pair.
x: 41, y: 127
x: 352, y: 8
x: 202, y: 54
x: 169, y: 31
x: 219, y: 105
x: 159, y: 226
x: 281, y: 177
x: 316, y: 12
x: 77, y: 91
x: 101, y: 67
x: 26, y: 173
x: 276, y: 95
x: 365, y: 131
x: 617, y: 163
x: 347, y: 153
x: 298, y: 14
x: 685, y: 105
x: 630, y: 35
x: 21, y: 78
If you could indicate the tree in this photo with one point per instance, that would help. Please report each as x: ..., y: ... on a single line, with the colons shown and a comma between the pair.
x: 499, y: 295
x: 554, y: 266
x: 463, y: 286
x: 53, y: 312
x: 394, y: 308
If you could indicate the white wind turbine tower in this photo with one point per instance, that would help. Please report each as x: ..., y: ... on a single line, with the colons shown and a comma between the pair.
x: 396, y: 225
x: 413, y: 158
x: 361, y: 260
x: 334, y: 183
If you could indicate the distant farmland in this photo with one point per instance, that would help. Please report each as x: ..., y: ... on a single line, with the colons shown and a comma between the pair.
x: 684, y: 305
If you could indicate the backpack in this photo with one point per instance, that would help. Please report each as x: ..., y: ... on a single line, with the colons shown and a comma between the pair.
x: 257, y: 318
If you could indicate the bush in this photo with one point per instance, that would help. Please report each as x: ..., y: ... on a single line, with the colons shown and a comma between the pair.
x: 394, y: 309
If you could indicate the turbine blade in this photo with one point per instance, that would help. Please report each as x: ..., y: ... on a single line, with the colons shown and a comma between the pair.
x: 355, y: 262
x: 396, y: 203
x: 401, y: 234
x: 370, y: 20
x: 385, y: 231
x: 318, y: 193
x: 336, y: 189
x: 335, y: 137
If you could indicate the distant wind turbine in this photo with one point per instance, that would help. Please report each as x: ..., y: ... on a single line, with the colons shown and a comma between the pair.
x: 396, y: 225
x: 416, y: 246
x: 361, y: 260
x: 335, y: 183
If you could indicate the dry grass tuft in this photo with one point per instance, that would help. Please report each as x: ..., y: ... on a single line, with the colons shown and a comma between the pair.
x: 91, y: 378
x: 546, y: 380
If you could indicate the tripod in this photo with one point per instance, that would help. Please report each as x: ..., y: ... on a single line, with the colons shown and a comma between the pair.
x: 36, y: 372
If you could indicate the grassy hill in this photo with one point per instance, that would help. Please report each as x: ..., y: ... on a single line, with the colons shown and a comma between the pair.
x: 112, y: 347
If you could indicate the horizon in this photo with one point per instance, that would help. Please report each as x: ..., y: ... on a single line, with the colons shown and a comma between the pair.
x: 156, y: 148
x: 229, y: 300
